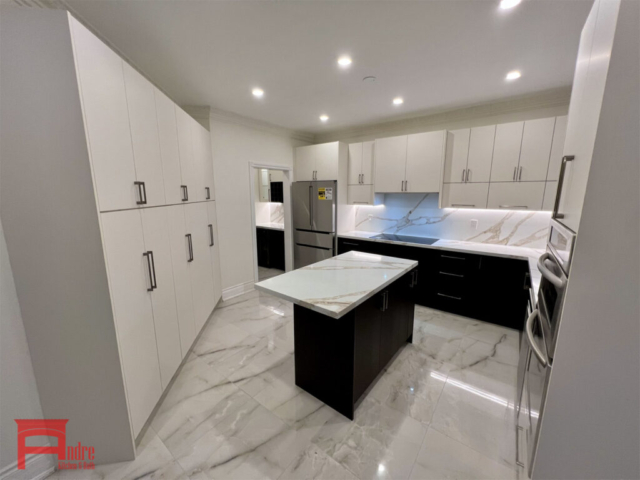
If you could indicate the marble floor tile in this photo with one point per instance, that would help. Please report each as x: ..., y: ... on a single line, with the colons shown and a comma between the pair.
x: 444, y: 458
x: 219, y: 341
x: 379, y: 443
x: 264, y: 273
x: 441, y: 324
x: 312, y: 464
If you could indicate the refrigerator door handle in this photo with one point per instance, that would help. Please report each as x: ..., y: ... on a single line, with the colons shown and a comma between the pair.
x: 311, y: 206
x: 542, y: 358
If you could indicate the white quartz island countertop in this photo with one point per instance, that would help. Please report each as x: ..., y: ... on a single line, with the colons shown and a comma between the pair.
x: 336, y: 286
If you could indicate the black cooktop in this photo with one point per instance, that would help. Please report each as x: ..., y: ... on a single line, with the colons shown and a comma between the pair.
x: 407, y: 238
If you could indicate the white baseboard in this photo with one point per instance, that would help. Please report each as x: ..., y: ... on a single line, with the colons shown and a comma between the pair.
x: 236, y: 290
x: 37, y: 467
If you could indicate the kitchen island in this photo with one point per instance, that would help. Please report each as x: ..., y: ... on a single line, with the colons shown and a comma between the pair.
x: 352, y: 313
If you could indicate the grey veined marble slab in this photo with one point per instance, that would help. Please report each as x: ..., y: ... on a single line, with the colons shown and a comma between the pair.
x: 336, y: 286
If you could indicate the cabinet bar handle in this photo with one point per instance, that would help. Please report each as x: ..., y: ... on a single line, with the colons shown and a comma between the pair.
x: 563, y: 166
x: 361, y: 203
x: 211, y: 234
x: 514, y: 206
x: 190, y: 245
x: 148, y: 256
x: 208, y: 191
x: 451, y: 274
x: 142, y: 192
x: 519, y: 174
x: 463, y: 173
x: 185, y: 193
x: 468, y: 173
x: 349, y: 243
x: 455, y: 258
x: 449, y: 296
x: 515, y: 170
x: 463, y: 205
x: 153, y: 268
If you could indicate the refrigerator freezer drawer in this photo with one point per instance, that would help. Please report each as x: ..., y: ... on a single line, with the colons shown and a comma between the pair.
x: 305, y: 255
x: 313, y: 239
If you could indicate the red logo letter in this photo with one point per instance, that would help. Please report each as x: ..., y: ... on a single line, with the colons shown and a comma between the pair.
x: 32, y: 428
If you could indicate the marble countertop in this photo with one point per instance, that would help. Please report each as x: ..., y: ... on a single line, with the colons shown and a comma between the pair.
x: 271, y: 225
x: 339, y: 284
x: 530, y: 254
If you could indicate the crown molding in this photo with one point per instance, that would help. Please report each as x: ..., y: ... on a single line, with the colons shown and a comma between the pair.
x: 230, y: 117
x: 558, y: 97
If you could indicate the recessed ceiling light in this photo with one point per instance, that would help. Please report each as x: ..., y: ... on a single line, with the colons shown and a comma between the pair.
x: 324, y: 118
x: 398, y: 101
x: 514, y: 75
x: 257, y: 92
x: 345, y: 61
x: 506, y: 4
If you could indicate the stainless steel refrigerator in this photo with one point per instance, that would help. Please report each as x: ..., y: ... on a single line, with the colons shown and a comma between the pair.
x: 314, y: 221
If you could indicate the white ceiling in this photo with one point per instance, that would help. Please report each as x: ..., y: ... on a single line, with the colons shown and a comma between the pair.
x: 436, y: 54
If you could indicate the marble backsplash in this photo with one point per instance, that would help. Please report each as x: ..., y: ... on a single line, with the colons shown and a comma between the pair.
x: 418, y: 214
x: 276, y: 212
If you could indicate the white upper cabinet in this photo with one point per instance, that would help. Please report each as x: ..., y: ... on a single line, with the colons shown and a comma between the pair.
x: 202, y: 163
x: 169, y: 150
x: 390, y: 164
x: 205, y: 138
x: 559, y: 133
x: 189, y: 172
x: 215, y: 257
x: 130, y: 280
x: 305, y: 165
x: 481, y: 144
x: 163, y: 297
x: 104, y: 104
x: 355, y: 164
x: 535, y: 150
x: 549, y: 198
x: 317, y: 162
x: 516, y: 195
x: 506, y: 152
x: 425, y: 157
x: 326, y: 159
x: 361, y: 163
x: 464, y: 195
x: 144, y: 136
x: 455, y: 166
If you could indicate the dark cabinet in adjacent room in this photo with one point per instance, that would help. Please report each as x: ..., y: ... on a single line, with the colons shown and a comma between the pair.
x: 270, y: 248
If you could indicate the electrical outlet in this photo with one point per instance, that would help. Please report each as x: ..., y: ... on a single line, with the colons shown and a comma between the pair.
x: 474, y: 224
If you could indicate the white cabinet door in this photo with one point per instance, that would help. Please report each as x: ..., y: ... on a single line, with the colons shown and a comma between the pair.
x: 390, y: 164
x: 367, y: 162
x: 305, y: 164
x: 516, y: 195
x: 163, y: 297
x: 425, y: 156
x: 506, y: 152
x: 144, y: 135
x: 455, y: 164
x: 363, y: 195
x: 207, y: 159
x: 465, y: 195
x: 326, y: 160
x: 197, y: 219
x: 536, y: 148
x: 129, y: 281
x: 187, y: 157
x: 355, y: 163
x: 182, y: 280
x: 215, y: 253
x: 549, y: 199
x: 481, y: 143
x: 557, y: 146
x: 104, y: 104
x: 169, y: 151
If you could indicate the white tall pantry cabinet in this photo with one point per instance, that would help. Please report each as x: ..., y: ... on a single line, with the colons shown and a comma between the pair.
x: 108, y: 209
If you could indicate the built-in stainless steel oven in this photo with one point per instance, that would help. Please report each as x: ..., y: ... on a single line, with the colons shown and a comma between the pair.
x: 539, y: 341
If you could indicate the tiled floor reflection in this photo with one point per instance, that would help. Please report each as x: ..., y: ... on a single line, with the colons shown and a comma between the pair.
x: 442, y: 409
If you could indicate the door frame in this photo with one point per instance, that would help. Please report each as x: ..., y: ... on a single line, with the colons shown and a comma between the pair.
x: 254, y: 169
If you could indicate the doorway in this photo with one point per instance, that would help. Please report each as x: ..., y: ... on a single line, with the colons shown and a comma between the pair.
x: 271, y: 220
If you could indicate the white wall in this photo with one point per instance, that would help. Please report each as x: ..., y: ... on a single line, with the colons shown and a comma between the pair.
x: 591, y: 419
x: 234, y: 147
x: 17, y: 383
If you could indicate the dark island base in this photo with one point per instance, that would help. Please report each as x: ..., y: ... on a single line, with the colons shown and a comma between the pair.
x: 338, y: 360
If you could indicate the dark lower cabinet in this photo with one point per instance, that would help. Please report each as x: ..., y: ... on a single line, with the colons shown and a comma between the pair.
x: 338, y: 360
x: 488, y: 288
x: 270, y: 248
